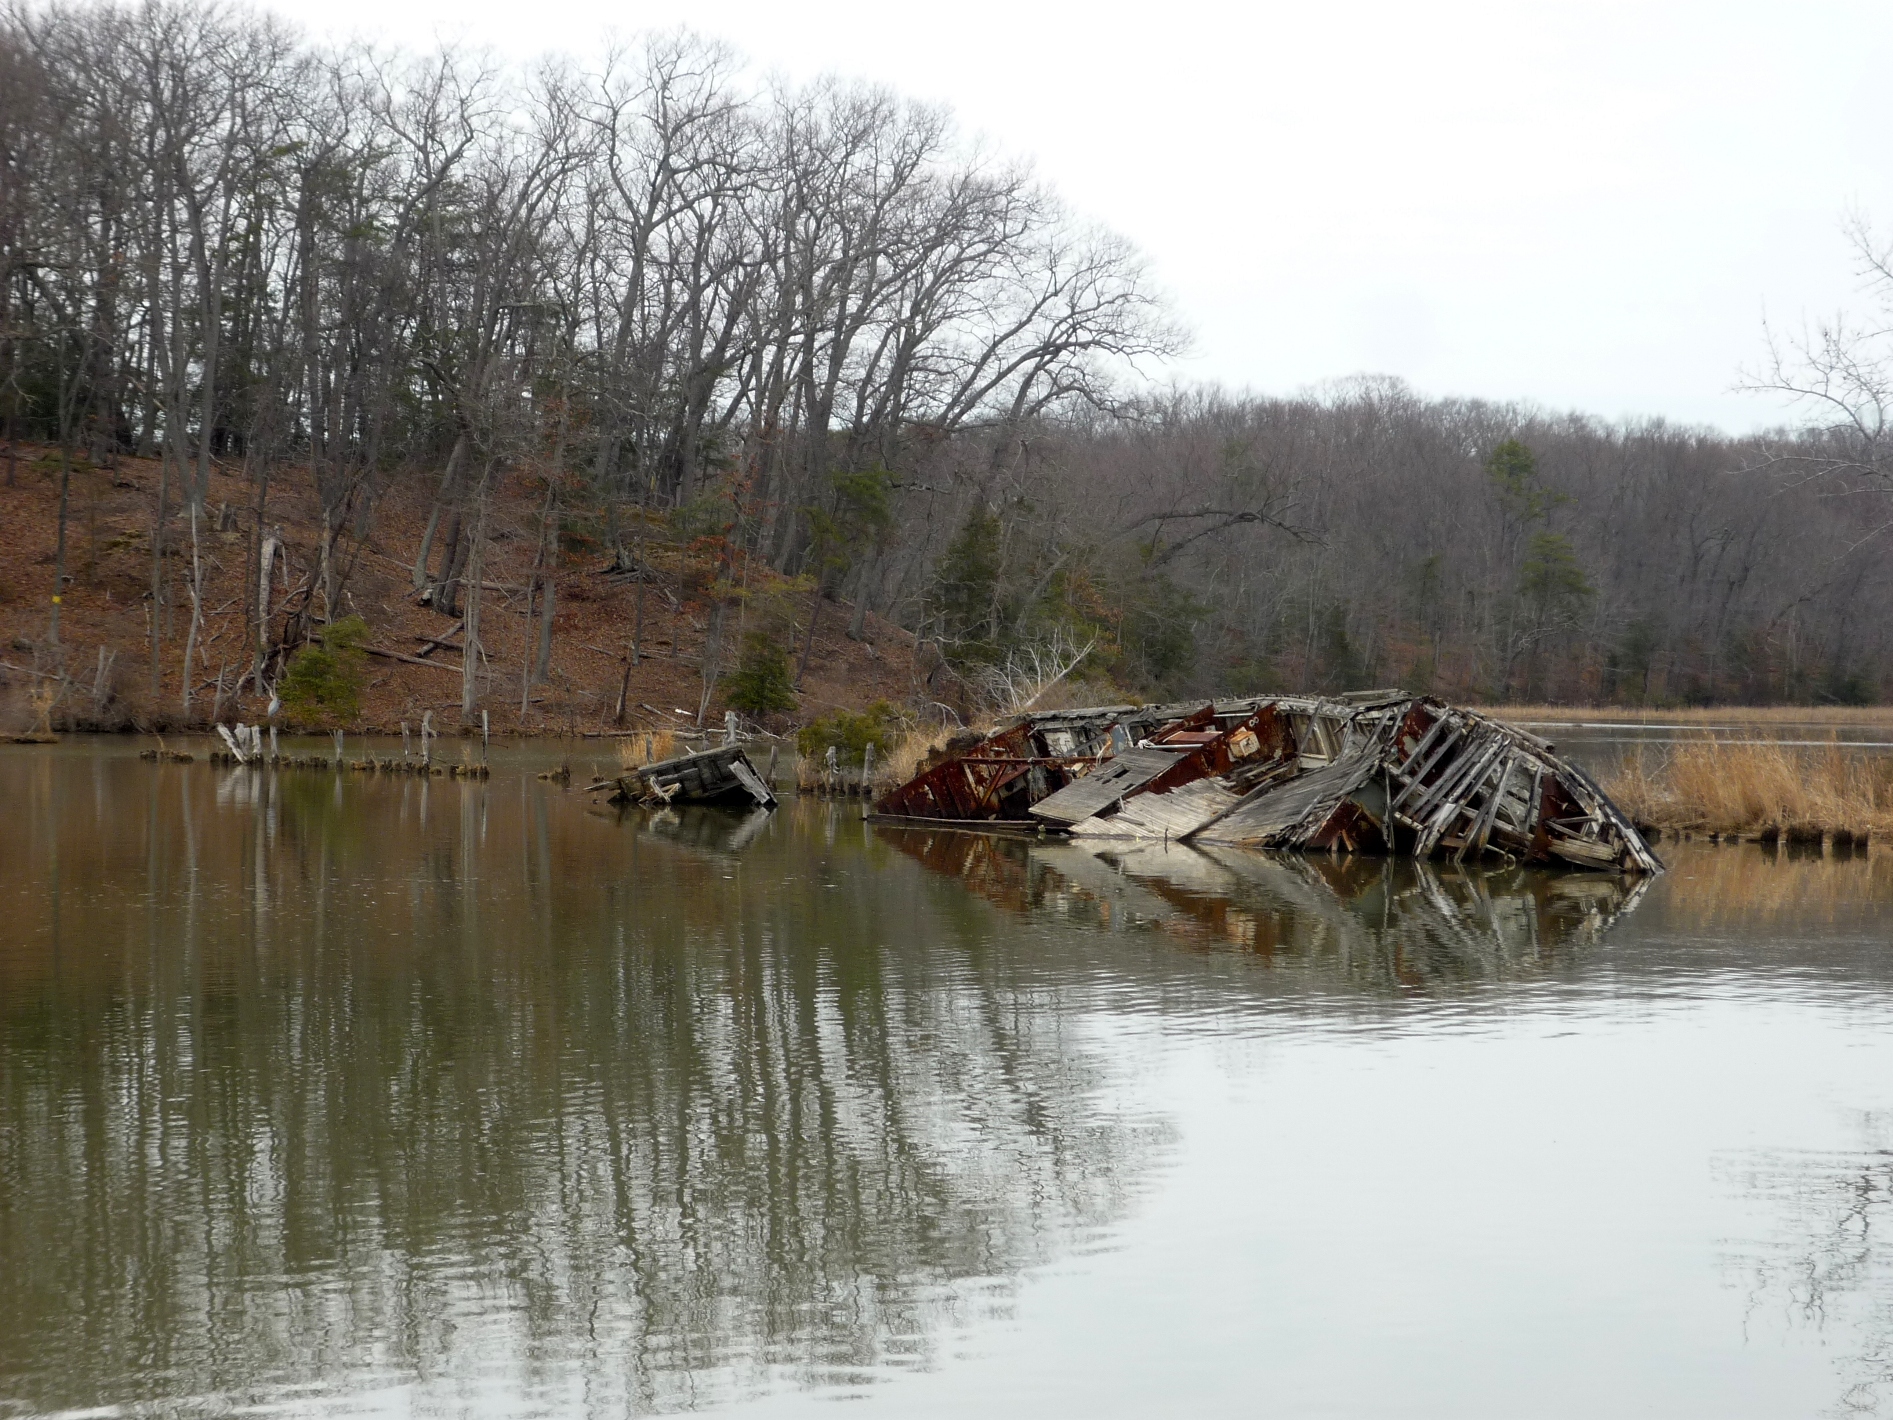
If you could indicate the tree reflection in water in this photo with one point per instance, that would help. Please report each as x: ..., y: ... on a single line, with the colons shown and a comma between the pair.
x: 314, y: 1085
x: 1827, y: 1264
x: 318, y: 1086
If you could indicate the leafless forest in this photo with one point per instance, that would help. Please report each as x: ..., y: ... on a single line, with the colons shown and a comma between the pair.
x: 818, y: 329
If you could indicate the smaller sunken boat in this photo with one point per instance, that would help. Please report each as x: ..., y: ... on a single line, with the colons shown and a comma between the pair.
x: 1381, y: 772
x: 714, y: 776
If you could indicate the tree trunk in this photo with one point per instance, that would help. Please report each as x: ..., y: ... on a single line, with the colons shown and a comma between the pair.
x: 265, y: 560
x: 157, y: 568
x: 525, y: 661
x: 197, y: 605
x: 325, y: 566
x: 710, y: 665
x: 542, y: 668
x: 542, y: 663
x: 433, y: 517
x: 446, y: 587
x: 637, y: 611
x: 59, y: 555
x: 808, y: 648
x: 470, y: 656
x: 259, y: 605
x: 857, y: 624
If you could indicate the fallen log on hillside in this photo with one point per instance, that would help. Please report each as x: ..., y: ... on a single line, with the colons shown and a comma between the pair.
x: 1382, y: 772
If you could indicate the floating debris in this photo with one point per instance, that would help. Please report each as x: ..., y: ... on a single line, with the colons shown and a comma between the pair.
x: 714, y: 776
x: 1382, y: 772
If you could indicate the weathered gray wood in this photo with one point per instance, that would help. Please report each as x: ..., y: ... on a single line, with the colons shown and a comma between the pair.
x: 1104, y: 786
x: 1603, y: 808
x: 1433, y: 732
x: 1268, y: 783
x: 1175, y: 815
x: 746, y: 776
x: 1585, y: 851
x: 1452, y: 804
x: 1482, y: 829
x: 1303, y: 803
x: 1473, y: 748
x: 1481, y: 804
x: 1444, y: 748
x: 707, y: 776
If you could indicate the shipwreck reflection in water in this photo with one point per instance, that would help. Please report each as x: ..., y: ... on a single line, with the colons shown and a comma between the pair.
x: 1340, y: 921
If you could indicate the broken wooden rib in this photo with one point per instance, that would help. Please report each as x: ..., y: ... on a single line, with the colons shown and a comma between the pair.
x: 1383, y: 772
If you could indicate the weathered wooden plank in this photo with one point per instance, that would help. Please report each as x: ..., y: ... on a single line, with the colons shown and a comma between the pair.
x: 1476, y: 750
x: 1406, y: 769
x: 1175, y: 815
x: 1453, y: 803
x: 1104, y: 786
x: 1482, y: 828
x: 708, y: 776
x: 1445, y: 747
x: 1584, y: 851
x: 1308, y: 798
x: 747, y: 777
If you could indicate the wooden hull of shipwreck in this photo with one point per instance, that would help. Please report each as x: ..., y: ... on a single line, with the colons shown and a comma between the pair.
x: 1378, y: 773
x: 715, y: 776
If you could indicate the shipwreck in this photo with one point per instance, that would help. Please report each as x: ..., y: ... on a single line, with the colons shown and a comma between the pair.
x: 722, y: 776
x: 1381, y: 772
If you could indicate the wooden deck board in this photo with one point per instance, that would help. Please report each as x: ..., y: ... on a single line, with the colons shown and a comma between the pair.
x: 1104, y: 786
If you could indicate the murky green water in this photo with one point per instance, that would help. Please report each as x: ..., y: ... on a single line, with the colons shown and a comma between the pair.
x: 329, y: 1094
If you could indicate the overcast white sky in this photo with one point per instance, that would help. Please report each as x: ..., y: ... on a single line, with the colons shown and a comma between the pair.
x: 1591, y: 205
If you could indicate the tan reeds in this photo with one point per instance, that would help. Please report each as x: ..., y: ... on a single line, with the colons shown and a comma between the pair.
x: 905, y: 758
x: 1718, y: 786
x: 1848, y: 716
x: 652, y: 747
x: 892, y: 767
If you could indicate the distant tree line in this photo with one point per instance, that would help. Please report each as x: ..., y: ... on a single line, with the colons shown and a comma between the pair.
x: 813, y: 328
x: 1367, y: 537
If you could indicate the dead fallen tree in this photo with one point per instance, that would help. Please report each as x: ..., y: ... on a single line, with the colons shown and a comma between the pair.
x: 1382, y: 772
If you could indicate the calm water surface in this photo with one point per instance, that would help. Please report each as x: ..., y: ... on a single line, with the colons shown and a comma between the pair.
x: 324, y: 1094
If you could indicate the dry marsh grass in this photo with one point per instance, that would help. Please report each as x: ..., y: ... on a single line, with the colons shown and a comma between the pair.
x: 1838, y: 716
x: 892, y: 768
x: 1719, y: 786
x: 636, y: 751
x: 905, y: 758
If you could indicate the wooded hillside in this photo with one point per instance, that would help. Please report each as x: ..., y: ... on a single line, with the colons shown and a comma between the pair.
x: 351, y: 333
